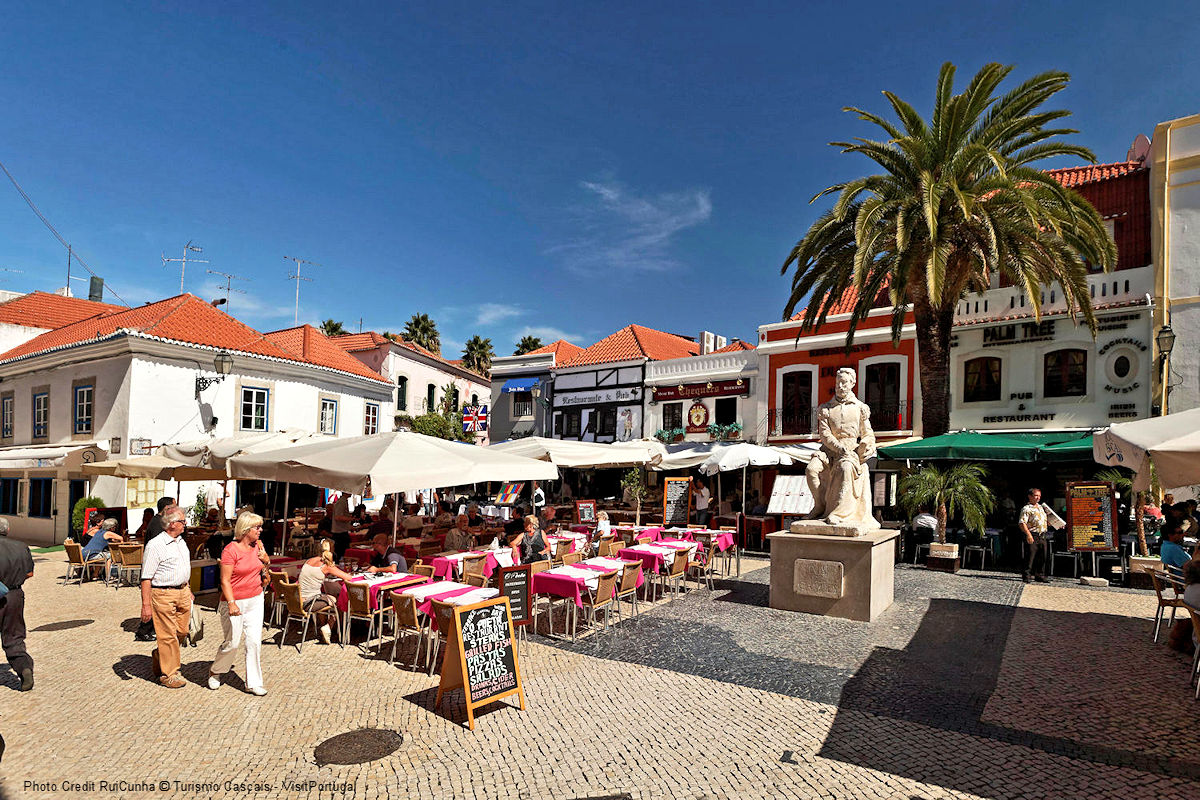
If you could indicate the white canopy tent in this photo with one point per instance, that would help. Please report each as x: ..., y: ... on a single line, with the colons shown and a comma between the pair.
x: 567, y: 453
x: 214, y: 453
x: 1170, y: 443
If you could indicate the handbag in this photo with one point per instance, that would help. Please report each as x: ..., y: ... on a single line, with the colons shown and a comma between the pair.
x: 195, y: 627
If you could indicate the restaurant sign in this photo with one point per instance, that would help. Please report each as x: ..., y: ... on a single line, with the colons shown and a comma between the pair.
x: 593, y: 397
x: 710, y: 389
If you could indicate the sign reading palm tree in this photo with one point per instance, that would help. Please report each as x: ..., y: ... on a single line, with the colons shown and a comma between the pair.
x: 421, y: 330
x: 332, y: 327
x: 528, y: 344
x: 955, y: 490
x: 957, y: 203
x: 477, y: 355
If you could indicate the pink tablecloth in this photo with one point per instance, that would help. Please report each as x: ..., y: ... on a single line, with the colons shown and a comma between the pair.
x: 443, y: 566
x: 569, y: 587
x: 723, y: 541
x: 581, y: 528
x: 373, y: 592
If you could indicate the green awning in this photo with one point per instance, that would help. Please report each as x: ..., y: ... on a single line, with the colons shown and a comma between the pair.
x: 968, y: 445
x: 1077, y: 449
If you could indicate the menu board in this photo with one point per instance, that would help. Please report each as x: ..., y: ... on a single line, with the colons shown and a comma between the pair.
x: 514, y: 583
x: 586, y: 511
x: 677, y: 501
x: 1091, y: 517
x: 790, y: 495
x: 482, y: 657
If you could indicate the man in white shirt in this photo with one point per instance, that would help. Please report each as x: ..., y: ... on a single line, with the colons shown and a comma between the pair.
x: 1034, y: 524
x: 166, y: 596
x: 702, y: 497
x: 340, y: 527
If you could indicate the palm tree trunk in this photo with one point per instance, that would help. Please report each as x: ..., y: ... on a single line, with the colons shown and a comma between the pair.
x: 941, y: 520
x: 933, y: 337
x: 1139, y: 521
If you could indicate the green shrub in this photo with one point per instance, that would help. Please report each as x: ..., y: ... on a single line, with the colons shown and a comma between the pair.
x: 82, y: 505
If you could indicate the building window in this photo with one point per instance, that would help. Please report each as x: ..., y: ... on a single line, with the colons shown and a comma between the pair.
x: 254, y: 408
x: 83, y: 408
x: 672, y: 416
x: 41, y: 497
x: 796, y: 413
x: 329, y: 416
x: 606, y: 425
x: 981, y: 380
x: 571, y: 420
x: 474, y: 399
x: 8, y: 495
x: 371, y: 419
x: 725, y: 411
x: 1065, y: 373
x: 454, y: 400
x: 41, y: 415
x: 522, y: 404
x: 6, y: 417
x: 402, y: 393
x: 558, y: 425
x: 430, y: 398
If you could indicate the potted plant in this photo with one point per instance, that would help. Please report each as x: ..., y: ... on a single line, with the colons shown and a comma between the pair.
x: 669, y: 435
x: 723, y: 433
x: 959, y: 489
x: 633, y: 483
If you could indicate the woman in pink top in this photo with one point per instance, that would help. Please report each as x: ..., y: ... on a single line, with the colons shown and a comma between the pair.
x: 241, y: 606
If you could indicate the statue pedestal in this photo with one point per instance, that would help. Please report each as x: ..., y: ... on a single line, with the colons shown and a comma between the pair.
x: 838, y: 575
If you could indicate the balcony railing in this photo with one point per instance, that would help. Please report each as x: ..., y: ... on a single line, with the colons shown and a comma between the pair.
x: 890, y: 416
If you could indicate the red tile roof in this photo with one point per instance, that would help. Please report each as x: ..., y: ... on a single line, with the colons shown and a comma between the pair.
x: 561, y: 348
x: 631, y: 343
x: 355, y: 342
x: 845, y: 304
x: 735, y: 347
x: 189, y: 320
x: 315, y: 347
x: 1091, y: 173
x: 50, y: 311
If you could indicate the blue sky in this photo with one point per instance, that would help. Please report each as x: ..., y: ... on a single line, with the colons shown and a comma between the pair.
x: 509, y: 168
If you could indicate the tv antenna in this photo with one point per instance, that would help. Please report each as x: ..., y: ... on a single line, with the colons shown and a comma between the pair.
x: 297, y: 278
x: 183, y: 262
x: 229, y: 279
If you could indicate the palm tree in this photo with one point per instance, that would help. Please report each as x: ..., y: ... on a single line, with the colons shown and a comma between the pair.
x: 1123, y: 483
x: 528, y: 344
x: 332, y: 327
x: 393, y: 337
x: 956, y: 204
x: 420, y: 329
x: 477, y: 355
x: 954, y: 490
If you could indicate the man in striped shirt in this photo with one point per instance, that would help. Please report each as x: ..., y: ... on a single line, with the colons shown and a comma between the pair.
x: 166, y: 595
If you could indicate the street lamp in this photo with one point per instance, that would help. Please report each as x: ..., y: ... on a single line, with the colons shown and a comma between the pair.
x: 1165, y: 340
x: 223, y: 365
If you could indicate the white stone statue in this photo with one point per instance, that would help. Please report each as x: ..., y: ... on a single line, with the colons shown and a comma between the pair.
x: 837, y: 474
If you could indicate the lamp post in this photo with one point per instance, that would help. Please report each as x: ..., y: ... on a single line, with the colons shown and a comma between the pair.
x: 1165, y: 340
x: 535, y: 392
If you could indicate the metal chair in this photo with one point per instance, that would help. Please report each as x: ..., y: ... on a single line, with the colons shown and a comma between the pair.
x: 702, y: 565
x: 603, y: 598
x: 1162, y: 584
x: 405, y: 619
x: 443, y: 615
x: 629, y: 586
x: 296, y: 612
x: 130, y: 568
x: 982, y: 548
x: 278, y: 603
x: 1075, y: 557
x: 358, y: 607
x: 77, y: 568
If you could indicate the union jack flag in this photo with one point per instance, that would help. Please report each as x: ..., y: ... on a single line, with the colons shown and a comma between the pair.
x: 474, y: 418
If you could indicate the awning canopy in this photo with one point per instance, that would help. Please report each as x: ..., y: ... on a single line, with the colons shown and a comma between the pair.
x: 214, y: 453
x: 72, y: 456
x: 518, y: 385
x: 155, y: 467
x: 976, y: 446
x: 568, y: 453
x: 1170, y: 443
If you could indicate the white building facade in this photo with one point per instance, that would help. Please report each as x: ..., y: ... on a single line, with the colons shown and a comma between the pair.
x: 687, y: 395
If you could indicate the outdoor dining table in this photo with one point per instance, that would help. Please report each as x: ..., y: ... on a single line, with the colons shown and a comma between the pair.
x: 456, y: 594
x: 378, y: 582
x: 449, y: 565
x: 658, y: 557
x: 571, y: 580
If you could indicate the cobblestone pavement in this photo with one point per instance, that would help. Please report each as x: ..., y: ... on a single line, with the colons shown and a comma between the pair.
x: 967, y: 687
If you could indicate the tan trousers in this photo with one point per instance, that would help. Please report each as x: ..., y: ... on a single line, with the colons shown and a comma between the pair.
x: 172, y: 608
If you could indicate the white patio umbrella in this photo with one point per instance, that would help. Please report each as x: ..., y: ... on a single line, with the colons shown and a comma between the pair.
x: 741, y: 455
x: 1171, y: 443
x: 156, y: 467
x: 387, y: 463
x: 567, y: 453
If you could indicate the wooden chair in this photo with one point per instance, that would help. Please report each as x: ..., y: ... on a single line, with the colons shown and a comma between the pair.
x: 572, y: 558
x: 1163, y: 584
x: 358, y: 607
x: 606, y: 546
x: 1195, y: 615
x: 476, y: 579
x: 644, y: 539
x: 678, y: 571
x: 278, y: 603
x: 115, y: 562
x: 296, y: 612
x: 604, y: 598
x: 422, y: 569
x: 428, y: 548
x: 405, y: 619
x: 130, y: 568
x: 702, y: 565
x: 731, y: 551
x: 473, y: 565
x: 628, y: 586
x: 443, y: 614
x: 77, y: 568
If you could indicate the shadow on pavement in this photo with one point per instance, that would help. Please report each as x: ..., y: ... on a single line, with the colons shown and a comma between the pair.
x: 944, y: 678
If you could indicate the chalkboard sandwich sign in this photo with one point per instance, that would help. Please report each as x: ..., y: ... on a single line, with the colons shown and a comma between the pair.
x: 482, y: 656
x: 515, y: 583
x: 677, y: 501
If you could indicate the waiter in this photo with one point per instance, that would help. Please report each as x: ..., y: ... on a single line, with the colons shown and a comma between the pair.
x: 16, y: 565
x: 1033, y: 524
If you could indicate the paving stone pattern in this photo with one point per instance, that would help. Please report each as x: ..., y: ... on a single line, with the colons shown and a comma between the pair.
x: 968, y: 687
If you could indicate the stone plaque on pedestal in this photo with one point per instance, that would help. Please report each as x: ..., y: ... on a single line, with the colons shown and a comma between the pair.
x: 804, y: 566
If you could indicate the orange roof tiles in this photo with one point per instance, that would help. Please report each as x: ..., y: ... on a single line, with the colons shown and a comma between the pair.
x: 354, y: 342
x: 50, y: 311
x: 845, y: 304
x: 1090, y: 173
x: 315, y: 347
x: 631, y: 343
x: 561, y: 348
x: 735, y: 347
x: 189, y: 320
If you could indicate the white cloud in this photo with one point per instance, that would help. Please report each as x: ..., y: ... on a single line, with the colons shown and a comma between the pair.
x: 622, y: 231
x: 491, y: 313
x: 250, y: 309
x: 548, y: 334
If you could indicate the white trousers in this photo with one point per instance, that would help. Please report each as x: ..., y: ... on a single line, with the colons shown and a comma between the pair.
x: 247, y: 626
